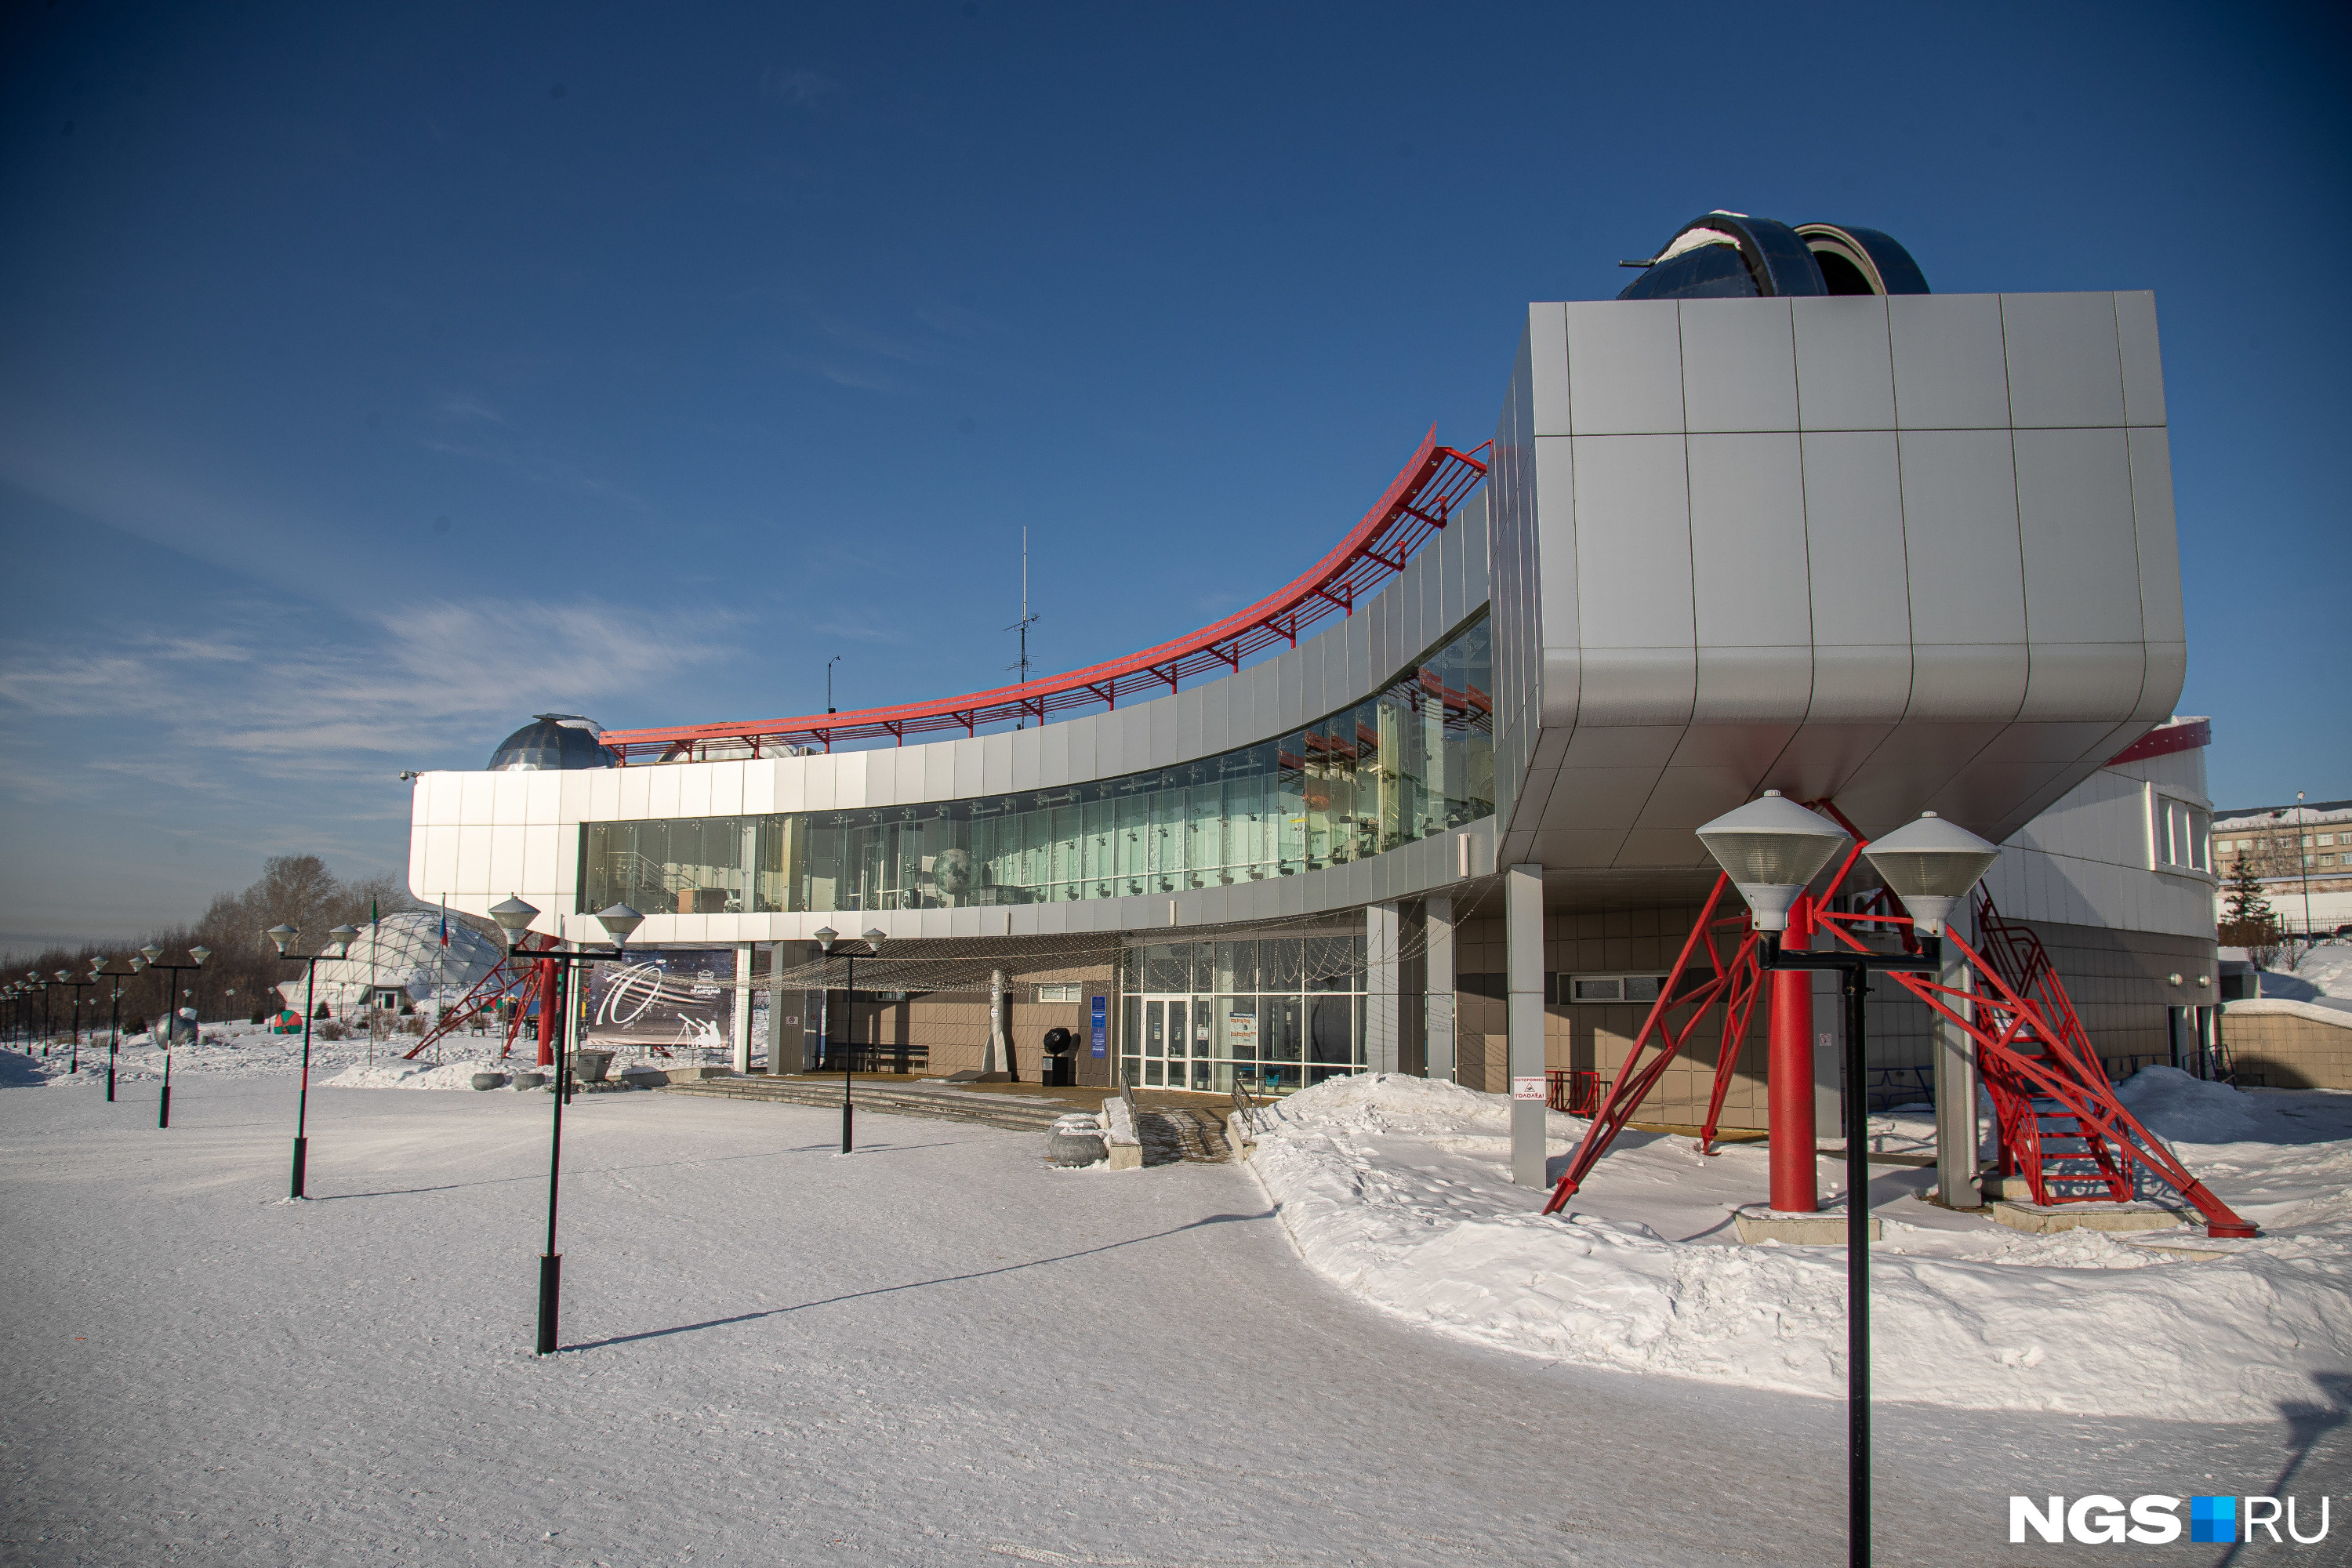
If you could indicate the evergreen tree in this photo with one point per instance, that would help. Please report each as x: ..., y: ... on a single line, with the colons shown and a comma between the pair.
x: 2246, y: 917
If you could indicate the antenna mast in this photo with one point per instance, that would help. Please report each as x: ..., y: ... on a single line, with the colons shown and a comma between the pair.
x: 1022, y: 624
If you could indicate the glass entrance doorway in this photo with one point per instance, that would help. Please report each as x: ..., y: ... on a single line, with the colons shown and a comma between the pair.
x: 1276, y: 1013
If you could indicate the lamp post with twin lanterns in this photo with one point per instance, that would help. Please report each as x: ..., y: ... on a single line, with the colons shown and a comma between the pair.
x: 154, y: 955
x: 31, y: 982
x: 66, y: 979
x: 282, y: 937
x: 514, y: 917
x: 1772, y: 848
x: 826, y: 937
x: 117, y: 971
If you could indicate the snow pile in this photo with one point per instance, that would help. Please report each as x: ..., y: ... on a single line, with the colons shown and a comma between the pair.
x: 2184, y: 1110
x: 2328, y: 967
x: 398, y: 1074
x: 2321, y: 978
x: 1398, y: 1189
x: 238, y: 1049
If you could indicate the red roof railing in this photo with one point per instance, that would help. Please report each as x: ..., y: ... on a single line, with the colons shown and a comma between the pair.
x: 1418, y: 503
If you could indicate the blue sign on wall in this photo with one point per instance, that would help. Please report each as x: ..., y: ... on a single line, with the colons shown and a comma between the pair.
x: 1098, y: 1012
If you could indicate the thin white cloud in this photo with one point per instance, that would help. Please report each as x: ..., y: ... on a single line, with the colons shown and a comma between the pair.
x: 226, y: 708
x: 799, y: 87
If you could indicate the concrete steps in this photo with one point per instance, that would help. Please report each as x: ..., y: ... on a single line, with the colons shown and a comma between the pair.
x: 1017, y: 1114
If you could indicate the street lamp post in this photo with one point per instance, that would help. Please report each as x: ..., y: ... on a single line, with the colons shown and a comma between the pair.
x: 34, y: 978
x: 117, y: 971
x: 73, y: 1064
x: 825, y: 939
x: 514, y: 917
x: 1770, y: 848
x: 282, y: 938
x: 154, y: 955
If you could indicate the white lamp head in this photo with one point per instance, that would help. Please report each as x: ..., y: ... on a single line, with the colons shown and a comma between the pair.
x: 826, y: 937
x: 874, y: 940
x: 282, y: 937
x: 342, y: 937
x: 151, y: 952
x: 514, y: 917
x: 1930, y: 865
x: 620, y: 922
x: 1770, y: 848
x: 200, y: 953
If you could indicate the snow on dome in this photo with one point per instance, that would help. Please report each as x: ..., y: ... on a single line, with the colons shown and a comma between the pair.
x: 551, y: 741
x: 402, y: 953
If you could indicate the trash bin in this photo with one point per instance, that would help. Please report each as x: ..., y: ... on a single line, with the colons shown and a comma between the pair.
x: 1055, y: 1070
x: 590, y: 1066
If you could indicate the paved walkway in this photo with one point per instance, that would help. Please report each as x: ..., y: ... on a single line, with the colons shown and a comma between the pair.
x: 935, y: 1350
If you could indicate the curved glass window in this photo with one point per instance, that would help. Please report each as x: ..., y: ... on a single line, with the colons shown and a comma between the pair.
x: 1416, y: 760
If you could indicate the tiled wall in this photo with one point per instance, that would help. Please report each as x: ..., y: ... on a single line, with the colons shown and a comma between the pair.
x: 2279, y: 1050
x: 2118, y: 981
x: 953, y: 1025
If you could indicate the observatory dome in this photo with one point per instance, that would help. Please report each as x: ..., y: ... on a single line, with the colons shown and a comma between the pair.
x: 551, y: 741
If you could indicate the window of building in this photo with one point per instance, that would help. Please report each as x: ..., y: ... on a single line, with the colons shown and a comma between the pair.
x: 2328, y: 838
x: 2182, y: 834
x: 1057, y: 992
x: 1277, y: 1013
x: 1416, y: 761
x: 1642, y: 988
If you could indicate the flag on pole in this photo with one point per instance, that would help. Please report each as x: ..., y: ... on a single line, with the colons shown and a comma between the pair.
x: 445, y: 928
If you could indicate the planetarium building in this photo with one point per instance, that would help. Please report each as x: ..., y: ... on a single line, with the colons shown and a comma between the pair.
x: 1777, y: 518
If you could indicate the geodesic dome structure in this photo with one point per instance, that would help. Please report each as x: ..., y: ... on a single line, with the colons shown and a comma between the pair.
x: 403, y: 951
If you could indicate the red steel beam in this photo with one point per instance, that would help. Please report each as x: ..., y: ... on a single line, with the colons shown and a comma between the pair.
x: 1416, y: 504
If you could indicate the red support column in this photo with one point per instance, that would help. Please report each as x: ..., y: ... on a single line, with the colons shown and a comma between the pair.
x: 547, y: 1015
x: 1788, y: 1080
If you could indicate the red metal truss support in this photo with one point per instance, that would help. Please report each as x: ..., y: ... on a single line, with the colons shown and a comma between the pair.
x: 2038, y: 1064
x: 1732, y: 984
x: 483, y: 996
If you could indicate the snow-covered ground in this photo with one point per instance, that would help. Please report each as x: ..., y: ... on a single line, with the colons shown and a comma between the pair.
x: 938, y: 1350
x: 1398, y: 1189
x: 249, y: 1050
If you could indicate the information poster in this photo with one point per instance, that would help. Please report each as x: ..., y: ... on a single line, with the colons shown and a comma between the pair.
x: 663, y: 1002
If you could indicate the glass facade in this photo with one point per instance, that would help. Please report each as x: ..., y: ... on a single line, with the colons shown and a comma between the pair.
x: 1418, y: 758
x: 1278, y: 1013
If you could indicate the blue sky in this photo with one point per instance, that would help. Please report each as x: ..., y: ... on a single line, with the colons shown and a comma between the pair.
x: 373, y: 377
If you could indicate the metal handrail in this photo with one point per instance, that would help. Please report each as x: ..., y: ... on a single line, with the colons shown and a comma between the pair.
x: 1418, y: 502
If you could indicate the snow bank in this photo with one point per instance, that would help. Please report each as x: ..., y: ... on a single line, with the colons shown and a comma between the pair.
x: 236, y: 1050
x: 2184, y: 1110
x: 397, y: 1074
x: 1397, y: 1189
x: 2328, y: 967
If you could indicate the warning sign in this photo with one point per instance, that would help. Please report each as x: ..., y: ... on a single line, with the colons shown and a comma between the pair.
x: 1527, y: 1089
